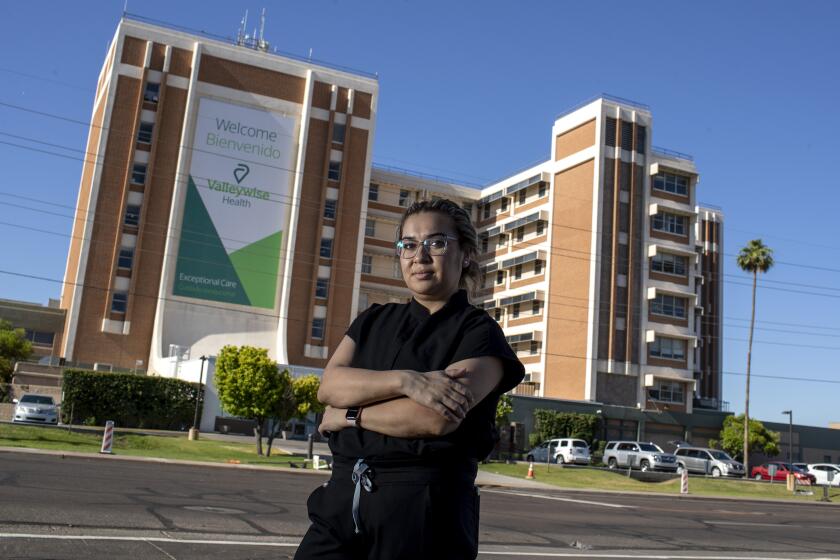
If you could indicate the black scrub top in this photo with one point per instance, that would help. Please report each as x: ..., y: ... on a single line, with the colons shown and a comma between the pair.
x: 407, y: 336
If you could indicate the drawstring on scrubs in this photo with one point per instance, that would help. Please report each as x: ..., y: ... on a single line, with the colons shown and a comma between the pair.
x: 362, y: 479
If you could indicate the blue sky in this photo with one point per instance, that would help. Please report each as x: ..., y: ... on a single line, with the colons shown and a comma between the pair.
x: 470, y: 90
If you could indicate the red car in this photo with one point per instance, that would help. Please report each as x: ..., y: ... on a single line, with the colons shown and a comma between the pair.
x: 782, y: 471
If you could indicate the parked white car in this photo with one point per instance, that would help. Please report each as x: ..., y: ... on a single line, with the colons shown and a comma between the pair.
x: 561, y: 450
x: 39, y: 409
x: 822, y: 472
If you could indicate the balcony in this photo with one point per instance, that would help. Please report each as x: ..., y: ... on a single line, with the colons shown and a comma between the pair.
x: 527, y: 389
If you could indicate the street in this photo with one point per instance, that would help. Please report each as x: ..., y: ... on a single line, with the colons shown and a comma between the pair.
x: 98, y: 508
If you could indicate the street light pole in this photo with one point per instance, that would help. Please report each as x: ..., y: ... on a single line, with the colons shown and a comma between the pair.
x: 194, y: 430
x: 790, y: 434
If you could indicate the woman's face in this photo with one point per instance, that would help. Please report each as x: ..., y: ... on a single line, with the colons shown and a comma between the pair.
x: 432, y: 277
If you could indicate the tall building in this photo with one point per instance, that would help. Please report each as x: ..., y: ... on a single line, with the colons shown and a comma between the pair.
x: 231, y: 199
x: 221, y: 203
x: 598, y: 263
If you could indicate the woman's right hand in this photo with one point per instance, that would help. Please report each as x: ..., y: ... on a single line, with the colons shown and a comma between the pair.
x: 439, y: 390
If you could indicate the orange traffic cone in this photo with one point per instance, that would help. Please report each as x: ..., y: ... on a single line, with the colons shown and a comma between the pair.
x: 530, y: 475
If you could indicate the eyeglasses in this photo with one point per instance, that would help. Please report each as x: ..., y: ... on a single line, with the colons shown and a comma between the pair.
x: 434, y: 245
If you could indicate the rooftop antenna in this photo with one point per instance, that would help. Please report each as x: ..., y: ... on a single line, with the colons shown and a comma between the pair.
x: 241, y: 35
x: 310, y: 54
x: 125, y: 7
x: 261, y: 44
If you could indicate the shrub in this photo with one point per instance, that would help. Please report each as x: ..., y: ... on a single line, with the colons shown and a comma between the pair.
x: 131, y: 401
x: 552, y: 424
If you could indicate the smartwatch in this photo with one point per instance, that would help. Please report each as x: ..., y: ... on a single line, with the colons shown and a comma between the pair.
x: 353, y: 415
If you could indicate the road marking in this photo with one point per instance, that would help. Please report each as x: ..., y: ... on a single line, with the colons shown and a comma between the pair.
x: 747, y: 524
x: 141, y: 539
x: 576, y: 554
x: 559, y: 499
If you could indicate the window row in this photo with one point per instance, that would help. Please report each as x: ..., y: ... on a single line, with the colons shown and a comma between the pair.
x: 670, y: 306
x: 669, y: 348
x: 626, y: 135
x: 519, y: 309
x: 403, y: 200
x: 671, y: 183
x: 669, y: 264
x: 520, y: 196
x: 515, y: 272
x: 39, y: 338
x: 676, y: 224
x: 667, y: 391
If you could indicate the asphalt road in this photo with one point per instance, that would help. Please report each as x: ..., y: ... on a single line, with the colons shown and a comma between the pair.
x: 104, y: 508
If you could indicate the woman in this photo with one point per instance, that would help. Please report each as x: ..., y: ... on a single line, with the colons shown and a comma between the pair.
x: 411, y: 393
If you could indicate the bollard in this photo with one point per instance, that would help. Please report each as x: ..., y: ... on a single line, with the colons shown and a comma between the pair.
x: 310, y: 443
x: 684, y: 482
x: 316, y: 462
x: 108, y: 438
x: 825, y: 497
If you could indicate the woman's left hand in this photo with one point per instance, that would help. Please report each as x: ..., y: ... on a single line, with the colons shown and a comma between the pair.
x: 333, y: 421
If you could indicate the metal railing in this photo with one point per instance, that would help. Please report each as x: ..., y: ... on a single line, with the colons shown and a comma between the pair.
x: 606, y: 97
x: 232, y: 41
x: 671, y: 153
x: 427, y: 176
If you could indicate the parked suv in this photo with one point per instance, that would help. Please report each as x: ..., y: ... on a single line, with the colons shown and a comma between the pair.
x: 562, y: 450
x: 703, y: 460
x: 637, y: 454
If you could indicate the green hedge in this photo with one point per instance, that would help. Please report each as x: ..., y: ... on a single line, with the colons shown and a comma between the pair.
x: 131, y: 401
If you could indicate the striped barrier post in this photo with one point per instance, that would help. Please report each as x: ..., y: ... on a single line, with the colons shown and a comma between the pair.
x: 684, y: 482
x: 108, y: 437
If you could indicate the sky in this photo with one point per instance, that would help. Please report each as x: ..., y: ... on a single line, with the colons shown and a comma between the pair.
x: 469, y: 91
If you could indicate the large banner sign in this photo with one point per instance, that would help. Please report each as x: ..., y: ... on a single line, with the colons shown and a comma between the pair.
x: 237, y: 205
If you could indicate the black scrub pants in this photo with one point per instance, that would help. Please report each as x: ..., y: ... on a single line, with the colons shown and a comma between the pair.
x: 415, y: 513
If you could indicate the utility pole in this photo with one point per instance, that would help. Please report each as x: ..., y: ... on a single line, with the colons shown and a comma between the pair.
x: 194, y: 430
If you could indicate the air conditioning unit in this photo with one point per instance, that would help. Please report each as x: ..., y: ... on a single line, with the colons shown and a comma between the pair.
x: 98, y: 366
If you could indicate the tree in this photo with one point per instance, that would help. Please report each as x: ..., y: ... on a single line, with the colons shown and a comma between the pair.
x: 504, y: 408
x: 251, y: 385
x: 755, y: 257
x: 760, y: 438
x: 550, y: 424
x: 305, y: 390
x: 13, y: 348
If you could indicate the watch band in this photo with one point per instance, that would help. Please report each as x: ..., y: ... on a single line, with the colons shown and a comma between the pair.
x: 353, y: 415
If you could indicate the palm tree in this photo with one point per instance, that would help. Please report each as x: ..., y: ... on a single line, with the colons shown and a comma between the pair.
x: 755, y: 257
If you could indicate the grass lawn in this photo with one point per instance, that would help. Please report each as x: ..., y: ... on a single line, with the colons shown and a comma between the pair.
x: 592, y: 479
x: 164, y: 447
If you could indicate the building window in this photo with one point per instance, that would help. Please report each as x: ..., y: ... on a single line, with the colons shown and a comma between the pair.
x: 500, y: 277
x: 517, y: 271
x: 338, y: 133
x: 467, y: 206
x: 535, y: 308
x: 520, y: 233
x: 329, y: 209
x: 39, y: 338
x: 671, y: 183
x: 538, y: 264
x: 144, y: 135
x: 138, y: 174
x: 641, y: 139
x: 119, y: 302
x: 367, y: 264
x: 669, y: 348
x: 626, y: 135
x: 609, y: 131
x: 126, y: 258
x: 485, y: 242
x: 543, y: 188
x: 535, y: 347
x: 504, y: 204
x: 152, y: 92
x: 669, y: 264
x: 326, y: 248
x: 667, y: 391
x: 501, y: 241
x: 334, y: 174
x: 403, y: 197
x: 670, y: 223
x: 523, y: 196
x: 486, y: 211
x: 318, y: 328
x: 321, y: 287
x: 497, y: 314
x: 373, y: 192
x: 515, y: 311
x: 540, y: 227
x: 370, y: 227
x: 671, y: 306
x: 132, y: 215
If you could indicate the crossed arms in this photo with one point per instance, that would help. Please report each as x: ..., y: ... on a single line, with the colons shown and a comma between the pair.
x: 404, y: 403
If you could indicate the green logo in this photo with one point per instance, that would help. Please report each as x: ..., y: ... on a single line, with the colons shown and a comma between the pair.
x: 241, y: 172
